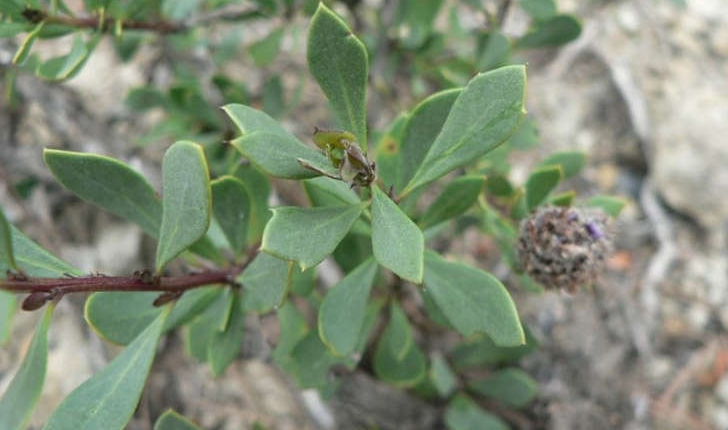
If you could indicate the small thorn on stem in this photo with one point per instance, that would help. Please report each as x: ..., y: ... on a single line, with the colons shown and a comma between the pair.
x: 167, y: 297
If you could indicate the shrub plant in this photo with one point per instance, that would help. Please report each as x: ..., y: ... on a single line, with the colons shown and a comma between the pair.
x: 378, y: 208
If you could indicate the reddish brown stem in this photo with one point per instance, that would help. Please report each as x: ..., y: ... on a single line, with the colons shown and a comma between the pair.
x: 163, y: 27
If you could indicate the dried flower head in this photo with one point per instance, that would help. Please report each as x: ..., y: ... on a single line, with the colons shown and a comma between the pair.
x: 564, y: 247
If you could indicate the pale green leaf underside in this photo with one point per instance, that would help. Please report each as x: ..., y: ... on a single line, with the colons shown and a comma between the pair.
x: 473, y: 300
x: 485, y: 114
x: 540, y: 183
x: 186, y: 200
x: 225, y: 345
x: 20, y: 398
x: 338, y: 61
x: 342, y: 312
x: 108, y: 399
x: 397, y: 242
x: 308, y: 235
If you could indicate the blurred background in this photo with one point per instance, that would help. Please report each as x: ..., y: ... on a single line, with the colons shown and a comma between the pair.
x: 641, y: 87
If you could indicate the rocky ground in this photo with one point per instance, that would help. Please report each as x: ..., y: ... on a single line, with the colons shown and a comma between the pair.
x: 643, y: 92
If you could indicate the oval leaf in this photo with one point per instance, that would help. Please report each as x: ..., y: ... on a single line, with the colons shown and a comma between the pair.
x: 487, y: 113
x: 556, y: 31
x: 278, y: 155
x: 265, y: 282
x: 456, y: 198
x: 231, y: 206
x: 421, y: 130
x: 8, y: 303
x: 338, y: 61
x: 171, y: 420
x: 540, y: 183
x: 225, y: 345
x: 442, y: 376
x: 397, y: 359
x: 341, y: 315
x: 118, y: 317
x: 109, y: 184
x: 397, y: 242
x: 473, y: 300
x: 108, y: 399
x: 7, y: 257
x: 19, y: 400
x: 611, y: 205
x: 66, y: 66
x: 185, y: 200
x: 308, y: 235
x: 34, y: 260
x: 511, y: 386
x: 463, y: 414
x: 570, y: 161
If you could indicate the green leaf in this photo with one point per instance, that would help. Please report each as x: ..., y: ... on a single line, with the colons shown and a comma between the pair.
x: 231, y: 206
x: 7, y: 310
x: 249, y: 120
x: 611, y: 205
x: 7, y: 257
x: 273, y: 99
x: 388, y: 151
x: 265, y: 50
x: 403, y: 367
x: 19, y: 400
x: 570, y: 161
x: 118, y: 317
x: 473, y: 300
x: 324, y: 191
x: 278, y: 156
x: 500, y: 186
x: 338, y: 61
x: 34, y: 260
x: 421, y: 130
x: 455, y: 199
x: 66, y: 66
x: 341, y: 315
x: 511, y: 386
x: 487, y: 112
x: 225, y: 345
x: 108, y: 399
x: 265, y: 282
x: 201, y: 329
x: 539, y: 9
x: 540, y: 183
x: 563, y: 199
x: 293, y: 329
x: 303, y: 281
x: 495, y: 52
x: 397, y: 242
x: 109, y: 184
x: 191, y: 304
x: 463, y: 414
x: 10, y: 29
x: 417, y: 17
x: 171, y: 420
x: 310, y: 361
x: 442, y: 376
x: 308, y: 235
x: 479, y: 351
x: 556, y: 31
x: 24, y: 48
x: 258, y: 189
x: 186, y: 200
x: 519, y: 210
x: 399, y: 336
x: 177, y: 10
